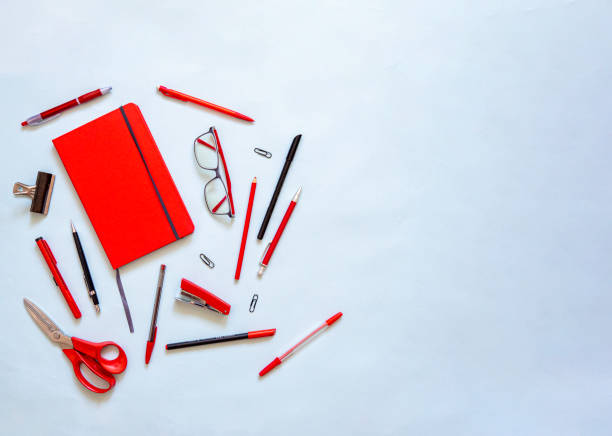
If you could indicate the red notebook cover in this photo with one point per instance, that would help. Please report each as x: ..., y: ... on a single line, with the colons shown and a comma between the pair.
x: 124, y: 185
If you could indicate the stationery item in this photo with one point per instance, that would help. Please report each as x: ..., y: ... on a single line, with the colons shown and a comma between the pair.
x: 209, y: 263
x: 91, y: 290
x: 249, y: 335
x: 245, y: 231
x: 253, y: 303
x: 153, y: 328
x: 217, y: 197
x: 277, y: 361
x: 124, y: 185
x: 279, y: 186
x: 57, y: 277
x: 40, y: 193
x: 272, y: 245
x: 81, y: 352
x: 263, y: 153
x: 198, y: 296
x: 57, y: 110
x: 184, y: 97
x: 126, y: 307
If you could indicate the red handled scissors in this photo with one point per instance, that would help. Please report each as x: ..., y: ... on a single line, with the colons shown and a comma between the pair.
x: 80, y: 351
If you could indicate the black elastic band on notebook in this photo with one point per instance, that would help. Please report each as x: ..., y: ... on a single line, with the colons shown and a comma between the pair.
x: 127, y: 122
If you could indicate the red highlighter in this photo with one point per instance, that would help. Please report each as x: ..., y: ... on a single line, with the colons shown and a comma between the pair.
x: 57, y: 277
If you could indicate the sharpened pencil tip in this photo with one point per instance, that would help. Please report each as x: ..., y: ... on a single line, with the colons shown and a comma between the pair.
x: 97, y: 308
x: 72, y: 226
x: 296, y: 197
x: 254, y: 179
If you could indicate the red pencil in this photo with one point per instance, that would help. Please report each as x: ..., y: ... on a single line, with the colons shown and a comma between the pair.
x: 184, y: 97
x: 245, y: 231
x: 279, y: 232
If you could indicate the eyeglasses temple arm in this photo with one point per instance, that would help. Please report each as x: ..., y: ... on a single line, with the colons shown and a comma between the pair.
x: 227, y: 177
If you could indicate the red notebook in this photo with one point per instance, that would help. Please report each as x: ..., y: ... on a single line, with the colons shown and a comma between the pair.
x: 124, y: 185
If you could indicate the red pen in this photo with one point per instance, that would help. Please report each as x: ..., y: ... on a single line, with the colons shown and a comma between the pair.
x: 57, y: 110
x: 272, y: 245
x: 153, y: 328
x: 57, y: 277
x: 292, y: 350
x: 184, y: 97
x: 245, y: 231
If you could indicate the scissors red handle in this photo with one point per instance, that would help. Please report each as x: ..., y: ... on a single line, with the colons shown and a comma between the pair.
x: 94, y: 350
x: 77, y: 358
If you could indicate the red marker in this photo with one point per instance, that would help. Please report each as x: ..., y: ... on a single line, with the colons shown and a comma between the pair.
x: 245, y: 231
x: 57, y: 277
x: 293, y: 349
x: 270, y: 249
x: 57, y: 110
x: 184, y: 97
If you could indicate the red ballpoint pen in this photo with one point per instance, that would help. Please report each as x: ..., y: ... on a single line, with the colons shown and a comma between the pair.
x: 153, y: 328
x: 292, y: 350
x: 57, y: 110
x: 245, y: 231
x: 57, y: 277
x: 185, y: 97
x: 272, y: 245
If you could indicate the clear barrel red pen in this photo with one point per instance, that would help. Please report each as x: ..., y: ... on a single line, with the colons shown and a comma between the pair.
x: 277, y: 361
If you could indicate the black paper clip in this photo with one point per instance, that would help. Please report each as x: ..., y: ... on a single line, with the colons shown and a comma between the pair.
x: 253, y: 303
x: 263, y: 153
x: 209, y: 263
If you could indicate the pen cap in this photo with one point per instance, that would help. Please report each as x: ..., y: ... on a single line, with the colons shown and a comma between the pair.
x: 270, y: 367
x: 261, y: 333
x: 334, y: 318
x: 294, y: 146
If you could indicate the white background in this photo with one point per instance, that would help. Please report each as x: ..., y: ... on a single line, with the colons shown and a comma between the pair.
x: 455, y: 163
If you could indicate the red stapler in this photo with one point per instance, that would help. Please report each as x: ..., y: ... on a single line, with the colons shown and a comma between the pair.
x: 198, y: 296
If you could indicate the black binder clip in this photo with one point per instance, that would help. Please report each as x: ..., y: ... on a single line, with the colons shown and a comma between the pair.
x: 40, y: 193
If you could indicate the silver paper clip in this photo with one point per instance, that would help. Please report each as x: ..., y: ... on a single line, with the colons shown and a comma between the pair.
x: 209, y: 263
x: 263, y: 153
x: 253, y: 303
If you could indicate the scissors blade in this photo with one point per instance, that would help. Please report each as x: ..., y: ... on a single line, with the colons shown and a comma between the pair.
x: 47, y: 325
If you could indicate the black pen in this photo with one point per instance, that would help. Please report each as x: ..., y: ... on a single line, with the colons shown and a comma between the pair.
x: 279, y: 186
x: 86, y: 274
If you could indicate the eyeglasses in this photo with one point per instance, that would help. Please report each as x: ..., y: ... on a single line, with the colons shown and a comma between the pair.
x: 217, y: 197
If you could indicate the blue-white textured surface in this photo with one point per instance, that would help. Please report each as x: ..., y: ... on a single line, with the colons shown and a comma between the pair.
x: 456, y: 205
